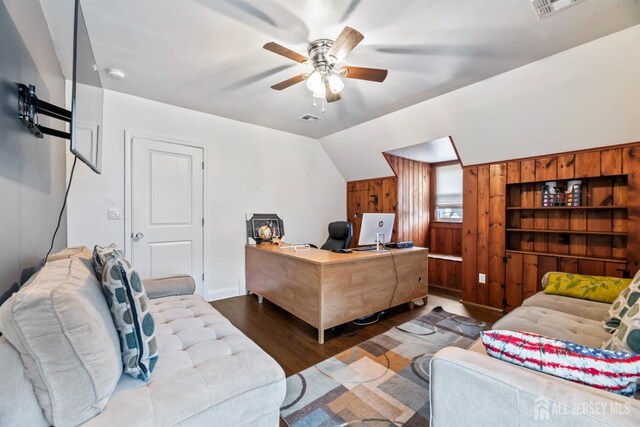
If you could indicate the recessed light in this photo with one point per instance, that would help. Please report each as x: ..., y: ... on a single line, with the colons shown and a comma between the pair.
x: 115, y: 73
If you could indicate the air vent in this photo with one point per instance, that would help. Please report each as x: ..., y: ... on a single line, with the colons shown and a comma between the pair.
x: 545, y: 8
x: 308, y: 118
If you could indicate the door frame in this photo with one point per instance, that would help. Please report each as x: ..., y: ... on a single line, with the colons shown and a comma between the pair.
x: 128, y: 201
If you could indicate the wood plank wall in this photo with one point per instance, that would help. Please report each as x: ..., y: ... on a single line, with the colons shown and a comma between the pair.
x: 408, y: 195
x: 378, y: 195
x: 445, y: 238
x: 413, y: 199
x: 485, y: 239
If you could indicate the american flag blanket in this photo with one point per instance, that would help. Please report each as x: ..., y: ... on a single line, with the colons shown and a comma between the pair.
x: 617, y: 372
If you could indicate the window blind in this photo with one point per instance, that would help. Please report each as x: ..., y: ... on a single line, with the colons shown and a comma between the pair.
x: 448, y: 185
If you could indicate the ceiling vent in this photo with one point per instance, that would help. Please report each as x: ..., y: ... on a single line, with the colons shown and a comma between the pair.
x: 308, y: 118
x: 545, y: 8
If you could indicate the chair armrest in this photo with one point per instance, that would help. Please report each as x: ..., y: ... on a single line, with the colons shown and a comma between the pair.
x: 467, y: 385
x: 169, y: 286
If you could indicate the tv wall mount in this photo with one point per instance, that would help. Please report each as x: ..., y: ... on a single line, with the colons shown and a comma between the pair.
x: 30, y: 106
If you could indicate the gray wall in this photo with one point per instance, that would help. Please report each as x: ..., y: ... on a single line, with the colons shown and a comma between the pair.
x: 32, y: 171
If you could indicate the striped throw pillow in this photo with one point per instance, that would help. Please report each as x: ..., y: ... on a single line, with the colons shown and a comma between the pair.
x: 613, y: 371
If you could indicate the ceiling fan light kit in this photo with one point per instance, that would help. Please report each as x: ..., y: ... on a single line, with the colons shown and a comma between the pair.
x: 335, y: 83
x: 325, y: 81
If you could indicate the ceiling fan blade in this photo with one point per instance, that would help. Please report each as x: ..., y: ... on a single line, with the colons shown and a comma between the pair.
x: 290, y: 82
x: 330, y: 96
x: 362, y: 73
x: 287, y: 53
x: 346, y: 41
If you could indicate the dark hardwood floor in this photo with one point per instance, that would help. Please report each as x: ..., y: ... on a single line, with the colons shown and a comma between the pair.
x: 293, y: 343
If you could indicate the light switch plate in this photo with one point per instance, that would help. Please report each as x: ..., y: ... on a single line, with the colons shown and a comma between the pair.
x: 114, y: 213
x: 482, y: 278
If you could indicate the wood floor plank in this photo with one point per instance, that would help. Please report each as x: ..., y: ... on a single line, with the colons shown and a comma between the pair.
x: 293, y: 343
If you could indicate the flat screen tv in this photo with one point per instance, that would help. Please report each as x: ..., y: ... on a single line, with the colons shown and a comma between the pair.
x: 86, y: 98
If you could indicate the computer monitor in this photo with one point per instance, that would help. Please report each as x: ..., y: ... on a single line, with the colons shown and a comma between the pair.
x: 375, y: 224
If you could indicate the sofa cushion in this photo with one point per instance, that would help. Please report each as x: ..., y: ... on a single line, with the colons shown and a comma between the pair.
x: 592, y: 310
x: 18, y: 404
x: 584, y: 286
x: 61, y: 326
x: 555, y: 324
x: 132, y: 317
x: 627, y: 336
x: 168, y: 286
x: 207, y: 371
x: 74, y: 252
x: 612, y: 371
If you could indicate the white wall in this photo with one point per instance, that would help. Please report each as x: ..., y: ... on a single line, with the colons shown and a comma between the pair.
x: 584, y: 97
x: 250, y: 169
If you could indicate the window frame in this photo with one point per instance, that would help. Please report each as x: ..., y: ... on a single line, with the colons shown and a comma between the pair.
x: 432, y: 196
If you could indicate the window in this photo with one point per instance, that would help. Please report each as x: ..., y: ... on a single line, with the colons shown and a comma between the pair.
x: 448, y: 195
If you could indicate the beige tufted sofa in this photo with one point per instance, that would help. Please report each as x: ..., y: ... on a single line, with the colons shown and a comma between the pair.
x: 208, y: 373
x: 470, y: 385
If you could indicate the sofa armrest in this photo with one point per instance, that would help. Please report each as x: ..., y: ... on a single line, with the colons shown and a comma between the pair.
x: 169, y: 286
x: 467, y: 385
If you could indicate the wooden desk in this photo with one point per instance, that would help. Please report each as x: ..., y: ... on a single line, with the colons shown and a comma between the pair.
x: 326, y: 289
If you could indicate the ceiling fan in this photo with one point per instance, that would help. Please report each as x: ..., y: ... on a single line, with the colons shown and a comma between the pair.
x: 325, y: 80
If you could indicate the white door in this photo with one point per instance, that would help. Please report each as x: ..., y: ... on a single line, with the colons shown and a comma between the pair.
x: 167, y: 209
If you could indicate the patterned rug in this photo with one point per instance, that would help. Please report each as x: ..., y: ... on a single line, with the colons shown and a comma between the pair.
x: 382, y: 382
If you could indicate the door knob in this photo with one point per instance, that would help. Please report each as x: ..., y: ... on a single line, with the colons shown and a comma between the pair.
x: 137, y: 236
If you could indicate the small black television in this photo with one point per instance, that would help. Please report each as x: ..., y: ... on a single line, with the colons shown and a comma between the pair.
x: 87, y: 96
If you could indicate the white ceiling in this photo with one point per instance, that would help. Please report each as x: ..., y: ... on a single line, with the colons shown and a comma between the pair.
x: 435, y: 151
x: 207, y: 54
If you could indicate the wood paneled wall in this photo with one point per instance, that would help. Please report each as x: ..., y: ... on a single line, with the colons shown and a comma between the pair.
x: 413, y: 199
x: 613, y: 179
x: 483, y: 234
x: 371, y: 195
x: 445, y: 238
x: 406, y: 195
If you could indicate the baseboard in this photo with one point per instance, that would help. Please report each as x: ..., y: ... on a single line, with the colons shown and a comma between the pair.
x: 218, y: 294
x: 482, y: 307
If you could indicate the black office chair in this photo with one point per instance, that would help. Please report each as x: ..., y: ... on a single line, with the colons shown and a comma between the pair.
x: 340, y: 234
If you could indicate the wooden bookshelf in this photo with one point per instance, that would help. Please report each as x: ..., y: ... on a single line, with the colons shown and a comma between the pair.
x: 587, y: 258
x: 544, y: 208
x: 597, y: 229
x: 589, y: 239
x: 601, y: 233
x: 508, y: 235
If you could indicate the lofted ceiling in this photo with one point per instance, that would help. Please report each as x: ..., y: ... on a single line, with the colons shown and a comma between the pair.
x: 207, y: 55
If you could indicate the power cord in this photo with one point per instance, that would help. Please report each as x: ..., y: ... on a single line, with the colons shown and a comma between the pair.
x: 367, y: 323
x: 395, y: 267
x: 64, y: 205
x: 393, y: 295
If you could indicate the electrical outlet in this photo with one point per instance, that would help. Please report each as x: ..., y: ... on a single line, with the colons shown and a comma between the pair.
x: 114, y: 213
x: 482, y: 278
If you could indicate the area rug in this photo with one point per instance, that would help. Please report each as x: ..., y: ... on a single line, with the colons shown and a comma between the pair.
x: 382, y: 382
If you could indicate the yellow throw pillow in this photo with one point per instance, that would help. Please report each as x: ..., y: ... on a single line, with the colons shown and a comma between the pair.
x: 594, y: 288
